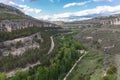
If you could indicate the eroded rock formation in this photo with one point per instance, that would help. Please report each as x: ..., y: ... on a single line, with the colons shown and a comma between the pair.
x: 20, y: 45
x: 115, y: 21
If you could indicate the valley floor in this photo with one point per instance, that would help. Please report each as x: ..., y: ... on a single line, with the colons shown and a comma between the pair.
x: 64, y: 61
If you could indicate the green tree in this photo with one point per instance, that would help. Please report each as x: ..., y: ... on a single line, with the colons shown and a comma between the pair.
x: 3, y: 76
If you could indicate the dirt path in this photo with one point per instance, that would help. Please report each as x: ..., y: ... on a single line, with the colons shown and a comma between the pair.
x: 65, y: 78
x: 12, y: 73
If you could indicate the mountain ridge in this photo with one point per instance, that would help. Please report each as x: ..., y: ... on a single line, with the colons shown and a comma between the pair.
x: 12, y: 18
x: 96, y: 21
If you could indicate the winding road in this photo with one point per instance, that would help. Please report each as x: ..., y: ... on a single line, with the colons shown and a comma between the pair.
x: 52, y: 45
x: 12, y: 73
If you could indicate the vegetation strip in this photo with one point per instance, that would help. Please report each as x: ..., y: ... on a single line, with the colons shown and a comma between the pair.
x: 74, y: 66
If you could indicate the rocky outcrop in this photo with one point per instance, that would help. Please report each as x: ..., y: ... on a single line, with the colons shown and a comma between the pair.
x: 20, y: 45
x: 111, y: 20
x: 10, y: 25
x: 115, y: 21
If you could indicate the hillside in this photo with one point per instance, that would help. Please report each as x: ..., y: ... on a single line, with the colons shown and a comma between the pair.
x: 101, y: 36
x: 11, y: 10
x: 13, y: 19
x: 97, y: 21
x: 24, y: 40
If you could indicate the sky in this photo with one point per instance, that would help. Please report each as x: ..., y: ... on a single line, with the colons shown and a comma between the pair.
x: 66, y: 10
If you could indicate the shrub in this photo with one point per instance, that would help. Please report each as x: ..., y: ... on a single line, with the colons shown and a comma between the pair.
x: 112, y: 70
x: 105, y: 78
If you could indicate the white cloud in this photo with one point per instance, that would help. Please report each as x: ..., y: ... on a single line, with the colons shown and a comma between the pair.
x: 80, y: 15
x: 7, y: 1
x: 23, y: 0
x: 11, y: 3
x: 75, y: 4
x: 102, y: 0
x: 26, y: 9
x: 54, y: 1
x: 3, y: 1
x: 51, y: 0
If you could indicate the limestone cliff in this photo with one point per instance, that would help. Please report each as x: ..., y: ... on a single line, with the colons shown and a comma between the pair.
x: 13, y: 19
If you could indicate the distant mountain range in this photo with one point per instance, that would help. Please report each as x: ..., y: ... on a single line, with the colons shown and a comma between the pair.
x: 101, y: 20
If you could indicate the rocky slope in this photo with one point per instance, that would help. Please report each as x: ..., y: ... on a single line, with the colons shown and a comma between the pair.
x: 20, y: 45
x: 13, y: 19
x: 106, y: 39
x: 101, y: 38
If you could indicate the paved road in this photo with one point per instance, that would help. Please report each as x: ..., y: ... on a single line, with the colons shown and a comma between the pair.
x: 52, y: 45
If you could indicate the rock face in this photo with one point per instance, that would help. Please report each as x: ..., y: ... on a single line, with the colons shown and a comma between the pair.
x: 13, y: 19
x: 112, y: 20
x: 20, y: 45
x: 115, y: 21
x: 10, y: 25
